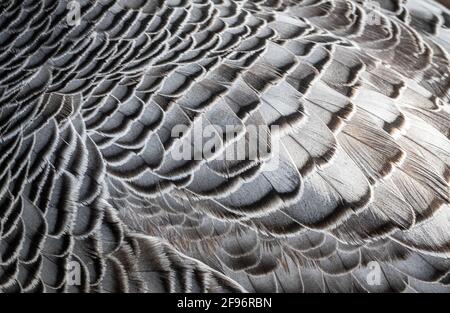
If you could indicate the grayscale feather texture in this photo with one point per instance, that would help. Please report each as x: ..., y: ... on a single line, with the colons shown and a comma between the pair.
x: 87, y: 175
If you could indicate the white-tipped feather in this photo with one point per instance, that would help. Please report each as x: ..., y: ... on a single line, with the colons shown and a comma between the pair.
x: 351, y: 170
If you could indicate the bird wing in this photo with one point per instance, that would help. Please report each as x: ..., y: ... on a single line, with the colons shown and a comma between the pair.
x: 102, y: 104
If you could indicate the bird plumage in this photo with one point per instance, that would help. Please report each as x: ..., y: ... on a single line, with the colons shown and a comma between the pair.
x: 350, y: 178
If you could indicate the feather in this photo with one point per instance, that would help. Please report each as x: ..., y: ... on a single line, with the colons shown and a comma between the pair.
x: 129, y: 151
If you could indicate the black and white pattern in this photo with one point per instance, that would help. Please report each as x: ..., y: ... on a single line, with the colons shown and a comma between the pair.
x: 354, y: 93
